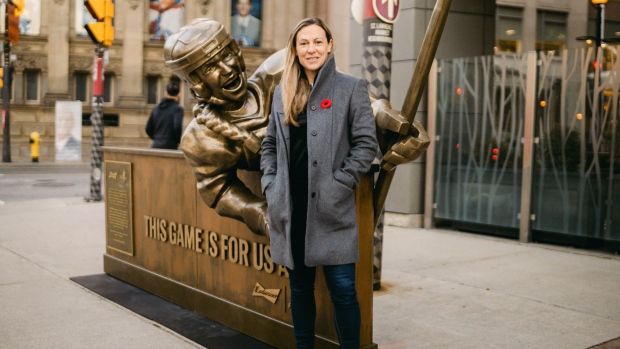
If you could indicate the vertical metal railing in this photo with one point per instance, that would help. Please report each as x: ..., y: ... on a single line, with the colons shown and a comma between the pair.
x: 431, y: 125
x: 525, y: 230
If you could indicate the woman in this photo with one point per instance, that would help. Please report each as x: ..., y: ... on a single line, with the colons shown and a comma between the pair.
x: 320, y: 140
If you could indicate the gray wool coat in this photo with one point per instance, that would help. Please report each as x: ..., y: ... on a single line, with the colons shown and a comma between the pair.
x: 341, y: 146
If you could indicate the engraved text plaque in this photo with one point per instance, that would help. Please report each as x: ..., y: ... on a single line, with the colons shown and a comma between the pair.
x: 119, y: 225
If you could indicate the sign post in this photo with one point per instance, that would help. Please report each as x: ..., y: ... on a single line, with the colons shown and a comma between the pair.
x: 379, y: 18
x: 102, y: 34
x: 11, y: 36
x: 96, y: 120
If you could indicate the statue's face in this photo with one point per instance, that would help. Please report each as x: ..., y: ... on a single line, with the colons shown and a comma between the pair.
x: 223, y: 76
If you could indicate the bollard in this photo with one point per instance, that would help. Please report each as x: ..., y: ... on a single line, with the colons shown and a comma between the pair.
x: 35, y: 140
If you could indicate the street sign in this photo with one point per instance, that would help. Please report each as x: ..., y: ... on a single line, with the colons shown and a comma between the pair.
x: 386, y: 10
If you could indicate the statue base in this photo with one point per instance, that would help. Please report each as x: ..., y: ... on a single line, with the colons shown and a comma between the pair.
x: 163, y: 238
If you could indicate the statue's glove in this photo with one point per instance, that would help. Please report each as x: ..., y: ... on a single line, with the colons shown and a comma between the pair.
x: 255, y: 217
x: 411, y: 138
x: 229, y: 130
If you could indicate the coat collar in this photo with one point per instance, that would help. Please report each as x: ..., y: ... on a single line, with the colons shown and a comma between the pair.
x: 325, y: 74
x: 321, y: 86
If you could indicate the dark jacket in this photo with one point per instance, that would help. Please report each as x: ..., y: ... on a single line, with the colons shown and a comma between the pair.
x: 341, y: 146
x: 165, y: 124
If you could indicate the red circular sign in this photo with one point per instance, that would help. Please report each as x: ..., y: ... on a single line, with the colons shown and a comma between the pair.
x: 386, y: 10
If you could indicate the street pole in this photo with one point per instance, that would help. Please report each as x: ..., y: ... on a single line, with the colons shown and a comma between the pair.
x: 97, y: 126
x: 6, y: 92
x: 414, y: 93
x: 376, y: 71
x: 599, y: 30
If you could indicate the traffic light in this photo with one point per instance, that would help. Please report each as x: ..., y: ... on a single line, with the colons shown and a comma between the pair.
x: 19, y: 7
x: 1, y: 77
x: 102, y: 31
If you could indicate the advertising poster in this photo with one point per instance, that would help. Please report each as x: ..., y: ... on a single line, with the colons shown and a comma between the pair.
x: 68, y: 133
x: 245, y: 23
x: 166, y: 17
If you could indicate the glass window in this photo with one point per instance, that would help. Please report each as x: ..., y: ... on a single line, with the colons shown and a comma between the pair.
x: 612, y: 31
x: 81, y: 86
x: 152, y: 88
x: 509, y: 29
x: 551, y: 31
x: 30, y: 19
x: 32, y: 85
x: 107, y: 87
x: 82, y: 17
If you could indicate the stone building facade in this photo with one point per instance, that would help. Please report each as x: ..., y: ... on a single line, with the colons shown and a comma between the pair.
x: 55, y: 63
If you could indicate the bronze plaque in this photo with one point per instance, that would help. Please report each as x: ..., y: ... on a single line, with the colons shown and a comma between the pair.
x: 119, y: 203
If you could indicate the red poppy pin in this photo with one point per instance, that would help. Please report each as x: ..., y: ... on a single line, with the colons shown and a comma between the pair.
x: 326, y: 103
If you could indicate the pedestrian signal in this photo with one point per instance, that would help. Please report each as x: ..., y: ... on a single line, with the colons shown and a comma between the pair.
x: 102, y: 31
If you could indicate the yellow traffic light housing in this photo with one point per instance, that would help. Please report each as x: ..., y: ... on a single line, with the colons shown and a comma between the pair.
x: 102, y: 31
x: 19, y: 7
x: 1, y: 77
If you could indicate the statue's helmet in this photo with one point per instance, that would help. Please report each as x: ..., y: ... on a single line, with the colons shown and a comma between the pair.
x: 195, y: 44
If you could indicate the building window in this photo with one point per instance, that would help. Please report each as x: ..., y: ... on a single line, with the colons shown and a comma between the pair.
x: 509, y: 29
x: 152, y: 89
x: 81, y: 86
x: 32, y: 85
x: 551, y: 31
x: 108, y: 91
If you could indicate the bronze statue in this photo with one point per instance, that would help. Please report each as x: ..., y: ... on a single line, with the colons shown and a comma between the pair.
x: 232, y: 113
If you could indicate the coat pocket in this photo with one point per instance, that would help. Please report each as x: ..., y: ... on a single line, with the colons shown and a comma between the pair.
x: 336, y: 205
x: 276, y: 207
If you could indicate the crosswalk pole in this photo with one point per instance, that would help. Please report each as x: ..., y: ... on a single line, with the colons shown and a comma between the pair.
x: 97, y: 127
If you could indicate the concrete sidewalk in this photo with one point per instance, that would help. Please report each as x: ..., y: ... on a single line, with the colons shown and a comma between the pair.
x: 441, y: 289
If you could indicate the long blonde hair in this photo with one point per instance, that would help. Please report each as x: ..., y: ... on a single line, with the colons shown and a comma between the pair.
x: 294, y: 84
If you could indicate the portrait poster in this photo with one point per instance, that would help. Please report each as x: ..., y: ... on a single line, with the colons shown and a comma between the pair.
x: 82, y: 18
x: 166, y: 17
x: 246, y: 22
x: 68, y: 131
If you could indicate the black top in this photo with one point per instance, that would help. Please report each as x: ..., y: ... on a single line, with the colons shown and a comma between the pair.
x: 165, y: 124
x: 299, y: 156
x: 299, y: 186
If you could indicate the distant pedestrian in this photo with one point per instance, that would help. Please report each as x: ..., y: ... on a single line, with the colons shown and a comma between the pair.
x: 165, y: 125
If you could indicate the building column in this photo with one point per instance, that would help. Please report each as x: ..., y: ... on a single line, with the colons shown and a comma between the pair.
x: 530, y: 15
x: 58, y: 52
x: 18, y: 80
x: 340, y: 30
x: 133, y: 48
x: 279, y: 19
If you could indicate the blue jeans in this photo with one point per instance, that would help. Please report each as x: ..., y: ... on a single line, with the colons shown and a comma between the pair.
x: 340, y: 281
